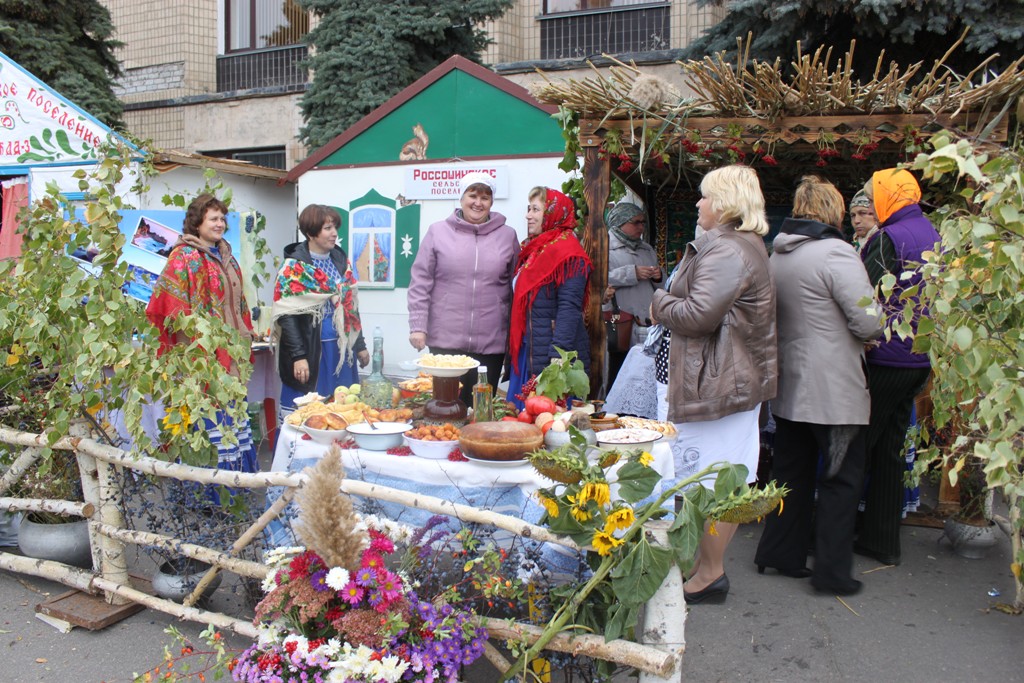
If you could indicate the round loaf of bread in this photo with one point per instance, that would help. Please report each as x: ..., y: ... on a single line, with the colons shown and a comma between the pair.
x: 502, y: 441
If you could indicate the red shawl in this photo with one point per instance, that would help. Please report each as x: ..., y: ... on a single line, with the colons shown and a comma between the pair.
x: 194, y: 280
x: 551, y: 257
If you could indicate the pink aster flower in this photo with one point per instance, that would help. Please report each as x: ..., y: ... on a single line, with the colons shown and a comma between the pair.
x: 390, y: 586
x: 352, y: 593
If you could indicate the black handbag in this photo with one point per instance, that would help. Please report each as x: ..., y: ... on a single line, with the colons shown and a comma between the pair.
x: 618, y: 327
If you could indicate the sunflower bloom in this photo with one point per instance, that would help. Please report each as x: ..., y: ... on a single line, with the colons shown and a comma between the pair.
x: 550, y: 506
x: 712, y: 529
x: 605, y: 543
x: 781, y: 502
x: 645, y: 459
x: 579, y: 508
x: 621, y: 518
x: 597, y: 492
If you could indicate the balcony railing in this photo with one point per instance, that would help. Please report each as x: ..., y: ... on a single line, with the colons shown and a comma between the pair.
x: 614, y: 31
x: 271, y: 68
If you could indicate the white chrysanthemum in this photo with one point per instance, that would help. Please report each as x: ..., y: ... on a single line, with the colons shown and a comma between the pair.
x: 282, y: 555
x: 388, y: 669
x: 268, y: 581
x: 267, y: 634
x: 331, y: 648
x: 337, y: 578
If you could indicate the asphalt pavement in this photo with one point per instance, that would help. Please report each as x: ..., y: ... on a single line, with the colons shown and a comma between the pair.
x: 928, y: 620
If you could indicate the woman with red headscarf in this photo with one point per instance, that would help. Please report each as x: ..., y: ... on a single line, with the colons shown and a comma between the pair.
x: 549, y: 290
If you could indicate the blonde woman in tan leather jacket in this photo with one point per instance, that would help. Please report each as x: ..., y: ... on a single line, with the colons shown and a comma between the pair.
x: 721, y: 355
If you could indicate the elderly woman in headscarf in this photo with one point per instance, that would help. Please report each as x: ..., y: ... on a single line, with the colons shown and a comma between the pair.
x: 863, y: 220
x: 633, y: 274
x: 896, y: 374
x: 461, y: 283
x: 550, y: 290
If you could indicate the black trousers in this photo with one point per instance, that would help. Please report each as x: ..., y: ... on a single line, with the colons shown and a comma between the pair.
x: 786, y: 537
x: 492, y: 361
x: 892, y: 398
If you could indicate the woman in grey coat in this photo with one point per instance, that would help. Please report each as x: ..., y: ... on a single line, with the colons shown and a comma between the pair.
x: 822, y: 406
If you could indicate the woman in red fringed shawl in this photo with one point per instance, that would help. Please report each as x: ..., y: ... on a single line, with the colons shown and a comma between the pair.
x: 550, y: 290
x: 202, y: 275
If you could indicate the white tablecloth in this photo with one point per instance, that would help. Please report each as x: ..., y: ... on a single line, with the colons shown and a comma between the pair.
x: 503, y: 489
x: 634, y: 390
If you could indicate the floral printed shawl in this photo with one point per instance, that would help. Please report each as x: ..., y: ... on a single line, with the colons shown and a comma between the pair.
x: 302, y: 289
x: 196, y: 280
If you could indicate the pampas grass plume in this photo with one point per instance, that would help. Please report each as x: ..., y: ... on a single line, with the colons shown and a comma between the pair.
x: 327, y: 523
x: 650, y: 92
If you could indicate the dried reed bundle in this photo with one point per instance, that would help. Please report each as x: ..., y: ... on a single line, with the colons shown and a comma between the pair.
x: 806, y: 87
x: 327, y: 523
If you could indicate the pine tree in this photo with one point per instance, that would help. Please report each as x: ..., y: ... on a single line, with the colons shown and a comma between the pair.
x: 68, y: 45
x: 919, y: 30
x: 365, y: 51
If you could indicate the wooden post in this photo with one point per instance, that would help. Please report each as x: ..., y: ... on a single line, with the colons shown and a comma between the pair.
x: 596, y: 187
x: 664, y: 616
x: 108, y: 556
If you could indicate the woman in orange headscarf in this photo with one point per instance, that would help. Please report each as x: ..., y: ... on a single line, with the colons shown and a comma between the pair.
x: 549, y: 290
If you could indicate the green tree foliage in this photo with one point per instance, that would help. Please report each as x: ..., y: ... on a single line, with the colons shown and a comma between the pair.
x: 68, y: 45
x: 974, y: 288
x: 920, y: 30
x: 365, y: 51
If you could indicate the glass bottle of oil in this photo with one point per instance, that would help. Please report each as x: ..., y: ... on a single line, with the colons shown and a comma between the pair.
x: 483, y: 405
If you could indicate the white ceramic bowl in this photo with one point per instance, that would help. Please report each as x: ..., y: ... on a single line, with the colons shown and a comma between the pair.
x: 431, y: 450
x: 447, y: 372
x: 326, y: 436
x: 628, y: 438
x: 386, y: 435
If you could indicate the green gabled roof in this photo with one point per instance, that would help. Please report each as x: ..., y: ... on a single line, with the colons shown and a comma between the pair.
x: 465, y: 110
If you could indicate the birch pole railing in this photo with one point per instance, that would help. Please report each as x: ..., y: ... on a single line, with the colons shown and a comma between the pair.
x: 658, y: 660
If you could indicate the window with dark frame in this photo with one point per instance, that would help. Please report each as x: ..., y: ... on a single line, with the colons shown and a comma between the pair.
x: 258, y: 24
x: 269, y: 157
x: 561, y: 6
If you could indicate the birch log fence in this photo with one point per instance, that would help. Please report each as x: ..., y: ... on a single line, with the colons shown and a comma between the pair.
x: 658, y: 658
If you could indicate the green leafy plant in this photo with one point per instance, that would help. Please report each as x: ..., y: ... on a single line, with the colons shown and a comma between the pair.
x: 564, y: 376
x: 974, y: 290
x: 76, y: 329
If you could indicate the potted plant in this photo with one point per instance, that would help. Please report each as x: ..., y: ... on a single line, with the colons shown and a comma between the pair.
x: 48, y: 535
x: 971, y: 531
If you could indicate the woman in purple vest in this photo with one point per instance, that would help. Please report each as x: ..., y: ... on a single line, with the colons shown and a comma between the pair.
x: 895, y: 373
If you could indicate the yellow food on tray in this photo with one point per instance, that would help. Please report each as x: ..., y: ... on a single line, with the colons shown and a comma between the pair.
x: 666, y: 428
x: 424, y: 383
x: 443, y: 360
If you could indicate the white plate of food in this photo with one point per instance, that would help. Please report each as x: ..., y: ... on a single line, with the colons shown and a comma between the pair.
x: 445, y: 365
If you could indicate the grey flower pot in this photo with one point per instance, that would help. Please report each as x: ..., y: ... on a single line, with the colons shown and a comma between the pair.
x: 172, y: 584
x: 66, y: 542
x: 968, y: 540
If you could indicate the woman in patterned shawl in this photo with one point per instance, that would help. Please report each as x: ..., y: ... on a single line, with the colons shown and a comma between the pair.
x: 315, y: 317
x: 202, y: 275
x: 549, y: 291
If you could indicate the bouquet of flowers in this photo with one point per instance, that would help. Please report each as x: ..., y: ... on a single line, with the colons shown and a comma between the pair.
x: 338, y: 614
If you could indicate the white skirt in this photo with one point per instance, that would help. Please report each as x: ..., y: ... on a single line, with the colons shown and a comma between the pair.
x: 734, y: 439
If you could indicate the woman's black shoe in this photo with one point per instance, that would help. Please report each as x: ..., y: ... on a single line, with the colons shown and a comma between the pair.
x: 851, y: 587
x: 801, y: 573
x: 714, y: 593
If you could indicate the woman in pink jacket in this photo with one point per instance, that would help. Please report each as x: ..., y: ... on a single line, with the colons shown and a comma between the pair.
x: 461, y: 285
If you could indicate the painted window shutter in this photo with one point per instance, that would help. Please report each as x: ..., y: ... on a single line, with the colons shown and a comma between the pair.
x: 407, y: 242
x: 343, y: 238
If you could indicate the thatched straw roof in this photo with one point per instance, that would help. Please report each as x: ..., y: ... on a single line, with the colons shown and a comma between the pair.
x: 755, y: 111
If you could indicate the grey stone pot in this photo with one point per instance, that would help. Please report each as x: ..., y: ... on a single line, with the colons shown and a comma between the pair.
x: 172, y: 584
x: 968, y: 540
x: 553, y: 439
x: 66, y: 542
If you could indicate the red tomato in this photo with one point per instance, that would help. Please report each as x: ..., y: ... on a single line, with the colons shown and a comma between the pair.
x: 525, y: 417
x: 507, y: 418
x: 546, y: 426
x: 540, y: 404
